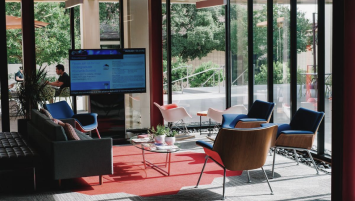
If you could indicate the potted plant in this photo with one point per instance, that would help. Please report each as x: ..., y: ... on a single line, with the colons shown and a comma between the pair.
x: 159, y: 133
x: 32, y: 93
x: 170, y: 137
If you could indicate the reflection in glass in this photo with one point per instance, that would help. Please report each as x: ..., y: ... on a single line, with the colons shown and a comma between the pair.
x: 260, y: 49
x: 328, y: 77
x: 198, y: 59
x: 281, y: 51
x: 239, y: 57
x: 307, y: 56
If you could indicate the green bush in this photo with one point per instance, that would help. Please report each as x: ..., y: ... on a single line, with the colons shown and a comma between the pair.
x: 205, y: 79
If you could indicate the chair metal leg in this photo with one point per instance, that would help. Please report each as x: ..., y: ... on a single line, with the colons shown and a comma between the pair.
x: 296, y: 157
x: 224, y: 184
x: 272, y: 193
x: 273, y: 163
x: 249, y: 181
x: 203, y: 168
x: 100, y: 179
x: 98, y: 134
x: 315, y: 166
x: 186, y: 130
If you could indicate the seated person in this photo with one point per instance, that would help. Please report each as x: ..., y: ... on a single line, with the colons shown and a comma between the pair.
x: 63, y: 80
x: 12, y: 85
x: 19, y: 75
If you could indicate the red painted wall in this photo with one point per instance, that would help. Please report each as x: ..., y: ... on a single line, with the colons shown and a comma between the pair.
x: 349, y: 102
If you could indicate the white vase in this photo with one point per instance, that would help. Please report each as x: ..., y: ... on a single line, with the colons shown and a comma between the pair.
x: 159, y: 139
x: 170, y: 140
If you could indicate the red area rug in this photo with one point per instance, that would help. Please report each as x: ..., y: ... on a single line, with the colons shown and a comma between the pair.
x: 131, y: 177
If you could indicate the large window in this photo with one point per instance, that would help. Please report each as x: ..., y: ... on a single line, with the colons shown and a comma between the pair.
x: 239, y: 55
x: 307, y: 52
x: 260, y: 49
x: 281, y: 61
x: 198, y: 58
x: 328, y: 76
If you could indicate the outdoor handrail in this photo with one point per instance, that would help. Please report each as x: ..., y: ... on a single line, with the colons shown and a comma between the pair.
x: 195, y: 74
x: 239, y: 76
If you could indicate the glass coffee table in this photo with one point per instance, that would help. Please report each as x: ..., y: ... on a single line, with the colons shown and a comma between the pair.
x: 147, y: 144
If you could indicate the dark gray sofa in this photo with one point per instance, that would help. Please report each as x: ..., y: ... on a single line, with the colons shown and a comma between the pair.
x: 69, y: 158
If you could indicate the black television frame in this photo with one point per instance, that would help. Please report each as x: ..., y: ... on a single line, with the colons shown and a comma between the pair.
x: 110, y: 91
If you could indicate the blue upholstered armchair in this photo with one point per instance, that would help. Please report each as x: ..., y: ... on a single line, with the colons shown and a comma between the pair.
x: 85, y: 122
x: 260, y: 112
x: 299, y: 134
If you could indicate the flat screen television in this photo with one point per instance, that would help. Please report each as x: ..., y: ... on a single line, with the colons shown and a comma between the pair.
x: 107, y: 71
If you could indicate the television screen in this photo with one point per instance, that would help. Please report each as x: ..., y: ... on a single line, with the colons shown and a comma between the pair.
x: 105, y: 71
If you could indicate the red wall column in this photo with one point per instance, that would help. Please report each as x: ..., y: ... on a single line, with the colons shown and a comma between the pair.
x: 349, y: 101
x: 155, y: 61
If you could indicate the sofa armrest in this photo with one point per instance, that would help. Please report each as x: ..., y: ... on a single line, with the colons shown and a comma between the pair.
x: 81, y: 158
x: 70, y: 121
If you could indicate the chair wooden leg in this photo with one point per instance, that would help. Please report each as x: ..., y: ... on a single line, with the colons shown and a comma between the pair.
x: 224, y: 184
x: 273, y: 163
x: 100, y: 180
x: 272, y: 193
x: 59, y: 183
x: 203, y: 168
x: 98, y: 134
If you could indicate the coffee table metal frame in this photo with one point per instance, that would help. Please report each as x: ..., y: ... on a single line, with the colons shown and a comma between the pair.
x: 147, y: 163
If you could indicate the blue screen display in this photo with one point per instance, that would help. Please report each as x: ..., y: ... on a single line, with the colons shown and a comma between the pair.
x: 102, y: 71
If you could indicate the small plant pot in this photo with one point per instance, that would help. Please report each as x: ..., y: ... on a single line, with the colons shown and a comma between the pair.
x: 159, y: 139
x: 170, y: 140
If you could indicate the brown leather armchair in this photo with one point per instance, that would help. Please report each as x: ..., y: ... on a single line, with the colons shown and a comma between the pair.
x: 239, y: 149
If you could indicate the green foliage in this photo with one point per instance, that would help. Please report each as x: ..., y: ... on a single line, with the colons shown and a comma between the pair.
x: 179, y: 69
x: 52, y: 41
x: 261, y: 74
x: 32, y: 92
x: 160, y: 130
x: 208, y: 78
x: 195, y: 32
x: 171, y: 133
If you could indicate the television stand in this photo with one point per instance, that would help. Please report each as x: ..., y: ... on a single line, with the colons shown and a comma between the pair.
x: 111, y: 116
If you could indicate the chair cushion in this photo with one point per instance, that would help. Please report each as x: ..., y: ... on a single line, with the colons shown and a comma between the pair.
x: 204, y: 144
x: 280, y: 128
x: 70, y: 132
x: 296, y: 132
x: 251, y: 119
x: 170, y: 106
x: 59, y: 110
x: 230, y: 120
x: 261, y: 110
x: 45, y: 112
x: 307, y: 120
